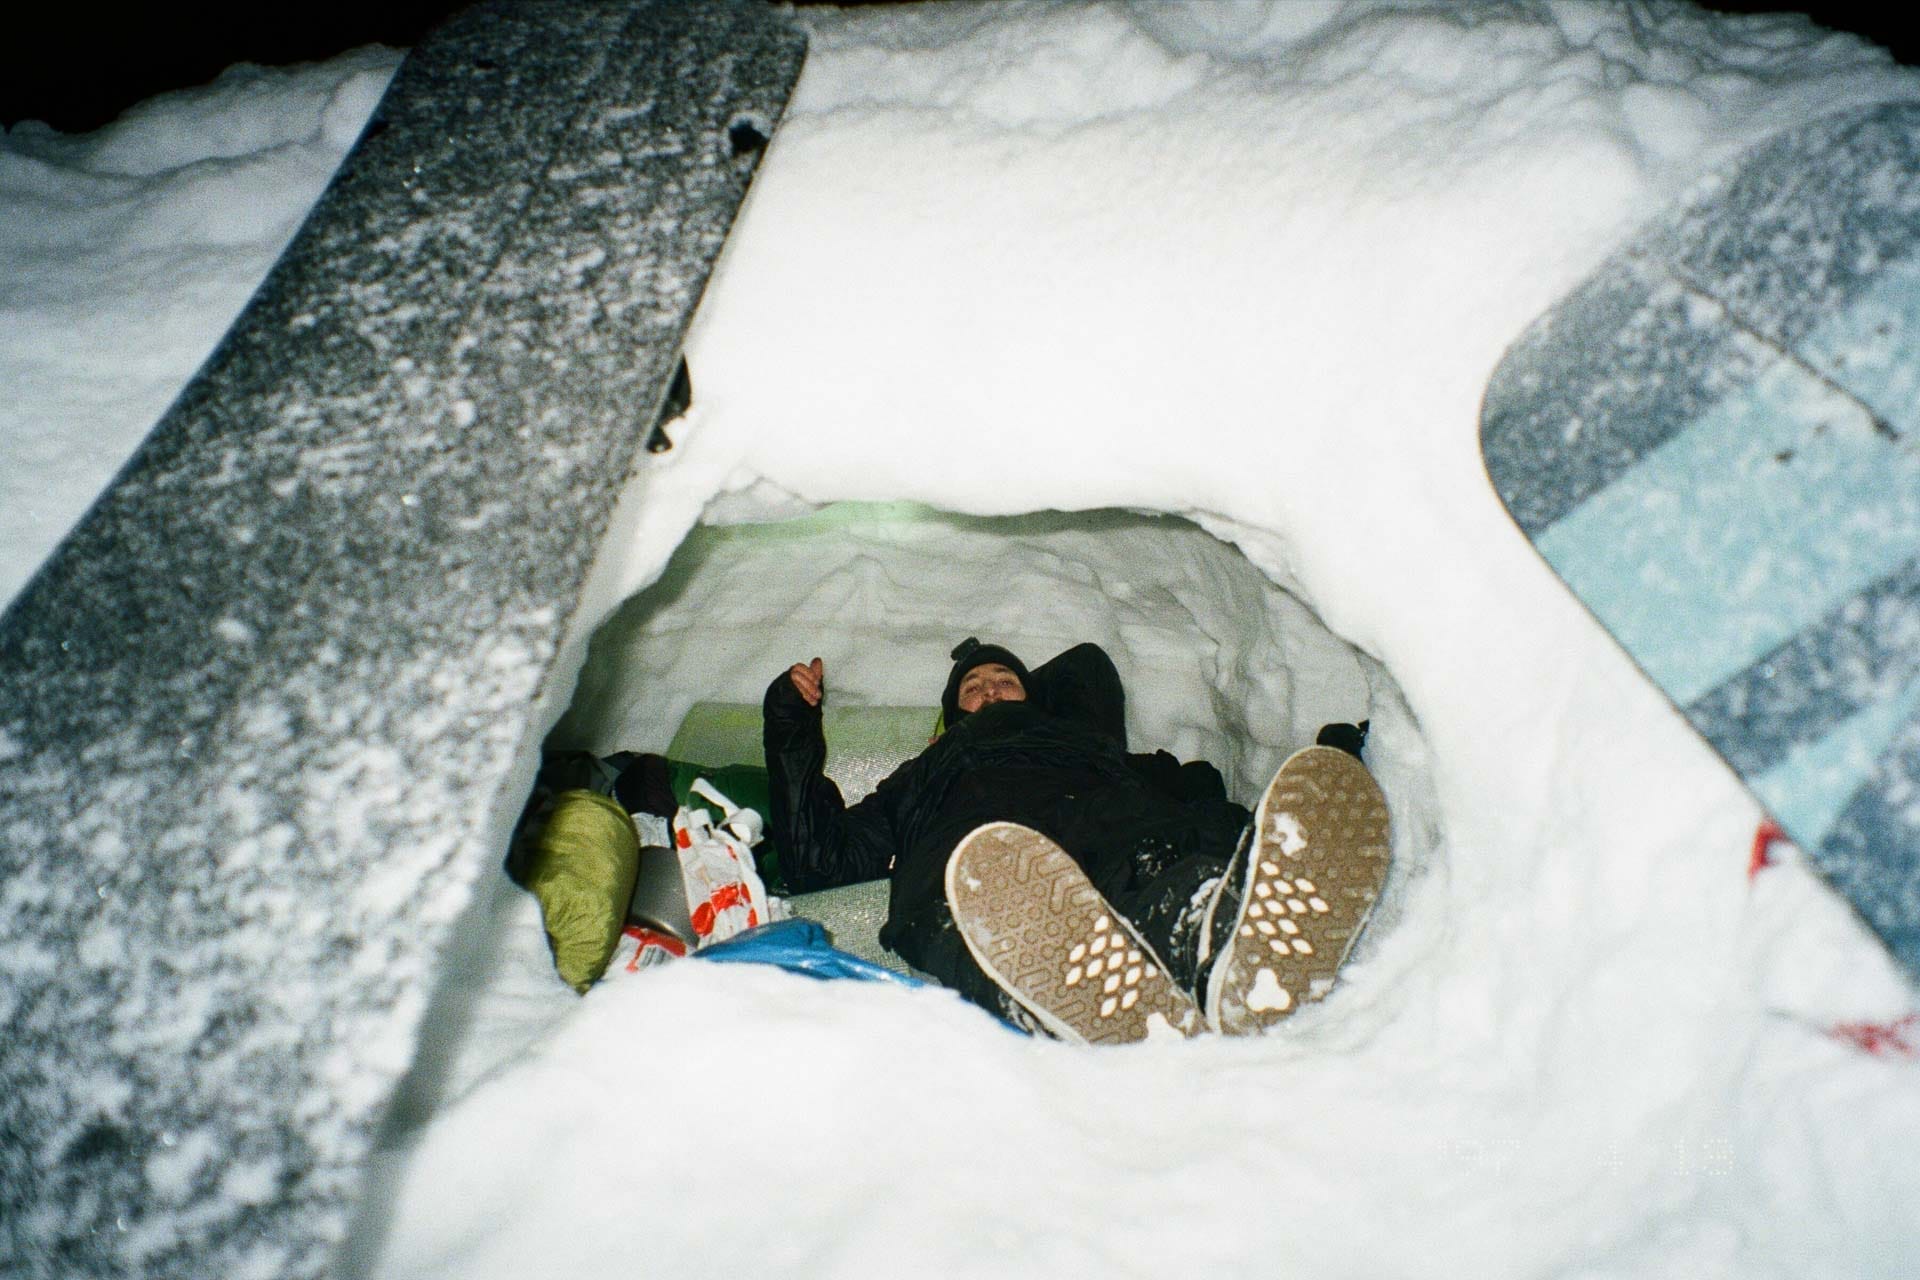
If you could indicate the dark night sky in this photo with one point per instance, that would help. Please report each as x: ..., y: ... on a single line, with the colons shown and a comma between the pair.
x: 78, y: 65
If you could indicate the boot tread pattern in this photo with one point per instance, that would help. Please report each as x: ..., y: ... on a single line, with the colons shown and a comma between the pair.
x: 1318, y: 861
x: 1038, y: 927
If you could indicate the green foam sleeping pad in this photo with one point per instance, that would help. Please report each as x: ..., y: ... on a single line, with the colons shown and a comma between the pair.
x: 864, y: 744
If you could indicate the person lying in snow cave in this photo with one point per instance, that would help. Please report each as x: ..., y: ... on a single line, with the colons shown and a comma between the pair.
x: 1045, y: 873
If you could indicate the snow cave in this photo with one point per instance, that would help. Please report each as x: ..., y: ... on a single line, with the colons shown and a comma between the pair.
x: 1221, y: 662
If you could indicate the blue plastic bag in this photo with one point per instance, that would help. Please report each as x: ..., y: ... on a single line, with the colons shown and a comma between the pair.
x: 800, y: 946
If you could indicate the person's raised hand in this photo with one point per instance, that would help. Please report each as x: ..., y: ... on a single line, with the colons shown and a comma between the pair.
x: 810, y: 679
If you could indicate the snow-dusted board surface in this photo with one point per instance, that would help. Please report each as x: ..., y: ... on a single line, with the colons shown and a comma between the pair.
x: 258, y: 710
x: 1712, y: 441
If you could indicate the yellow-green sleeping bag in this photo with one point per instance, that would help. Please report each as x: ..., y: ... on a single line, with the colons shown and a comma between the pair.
x: 582, y: 870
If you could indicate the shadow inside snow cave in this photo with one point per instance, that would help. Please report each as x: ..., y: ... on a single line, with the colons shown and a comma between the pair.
x: 1219, y: 662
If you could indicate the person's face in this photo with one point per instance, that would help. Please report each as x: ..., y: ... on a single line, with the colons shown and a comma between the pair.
x: 989, y: 682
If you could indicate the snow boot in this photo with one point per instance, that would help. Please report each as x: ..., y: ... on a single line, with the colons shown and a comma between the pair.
x: 1301, y: 890
x: 1036, y: 925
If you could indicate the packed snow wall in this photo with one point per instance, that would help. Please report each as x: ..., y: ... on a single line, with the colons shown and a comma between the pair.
x: 261, y: 705
x: 1220, y: 663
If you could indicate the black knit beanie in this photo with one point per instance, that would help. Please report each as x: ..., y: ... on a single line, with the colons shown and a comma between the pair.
x: 967, y: 655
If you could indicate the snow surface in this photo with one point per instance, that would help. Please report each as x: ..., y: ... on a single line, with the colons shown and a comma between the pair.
x: 1247, y: 264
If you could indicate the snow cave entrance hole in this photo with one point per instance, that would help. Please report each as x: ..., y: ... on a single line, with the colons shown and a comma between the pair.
x: 1220, y: 662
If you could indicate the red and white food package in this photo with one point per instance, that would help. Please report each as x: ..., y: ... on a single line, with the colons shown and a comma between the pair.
x: 643, y: 948
x: 724, y: 892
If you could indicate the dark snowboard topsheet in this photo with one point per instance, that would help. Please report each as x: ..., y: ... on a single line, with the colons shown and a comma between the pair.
x: 258, y: 711
x: 1713, y: 442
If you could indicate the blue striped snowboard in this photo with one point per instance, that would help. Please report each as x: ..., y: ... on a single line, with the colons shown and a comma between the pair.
x: 1713, y: 442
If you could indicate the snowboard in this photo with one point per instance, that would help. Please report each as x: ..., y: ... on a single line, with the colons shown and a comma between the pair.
x: 263, y: 713
x: 1712, y: 441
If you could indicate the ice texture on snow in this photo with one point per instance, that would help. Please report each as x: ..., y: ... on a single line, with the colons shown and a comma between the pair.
x: 1247, y: 263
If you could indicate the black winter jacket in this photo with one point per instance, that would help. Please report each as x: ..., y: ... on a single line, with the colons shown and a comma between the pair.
x: 1055, y: 764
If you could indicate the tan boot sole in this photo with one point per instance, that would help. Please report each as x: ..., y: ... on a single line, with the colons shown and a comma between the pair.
x: 1036, y: 925
x: 1318, y: 861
